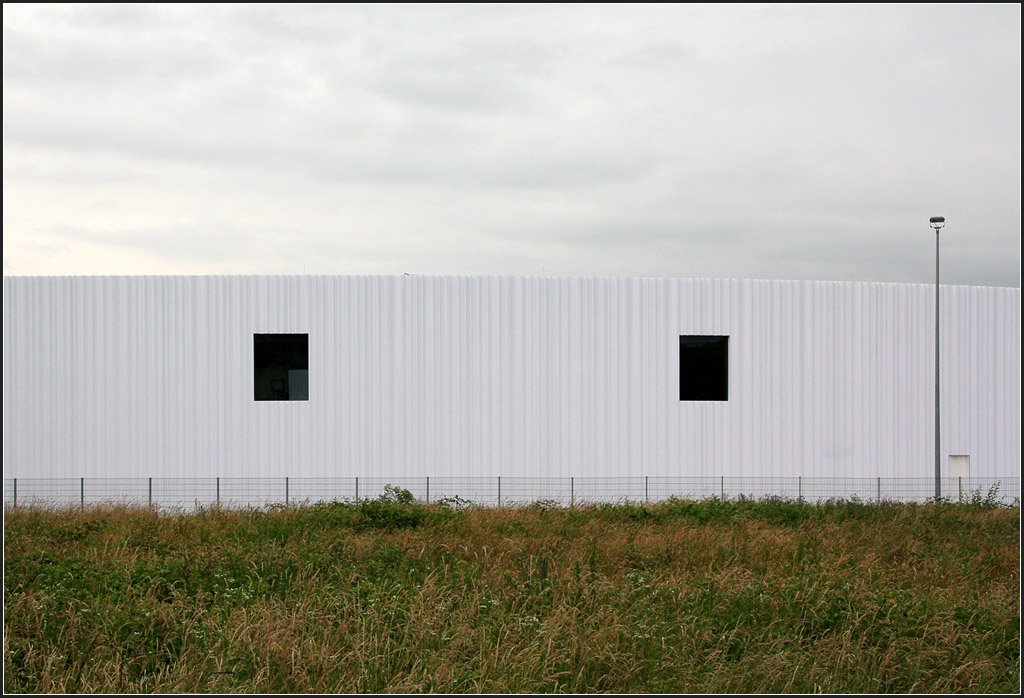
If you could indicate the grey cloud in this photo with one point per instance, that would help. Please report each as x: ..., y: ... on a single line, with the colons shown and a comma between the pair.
x: 662, y: 55
x: 456, y: 90
x: 759, y: 142
x: 175, y: 242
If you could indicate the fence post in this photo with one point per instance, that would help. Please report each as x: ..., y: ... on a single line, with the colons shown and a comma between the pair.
x: 960, y: 487
x: 723, y: 486
x: 800, y: 488
x: 572, y: 491
x: 286, y: 490
x: 647, y: 497
x: 150, y: 492
x: 81, y: 494
x: 879, y: 496
x: 357, y: 488
x: 15, y: 493
x: 218, y: 491
x: 499, y: 490
x: 428, y: 489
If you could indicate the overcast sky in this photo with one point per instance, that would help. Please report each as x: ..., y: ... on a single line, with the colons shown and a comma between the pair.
x: 782, y: 142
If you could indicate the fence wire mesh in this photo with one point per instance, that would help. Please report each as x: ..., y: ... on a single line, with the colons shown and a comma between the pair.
x: 193, y: 493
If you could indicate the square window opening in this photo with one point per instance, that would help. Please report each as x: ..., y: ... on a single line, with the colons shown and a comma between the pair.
x: 281, y: 363
x: 703, y: 368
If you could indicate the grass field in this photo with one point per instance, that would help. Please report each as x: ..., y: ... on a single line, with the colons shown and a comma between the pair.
x: 391, y: 595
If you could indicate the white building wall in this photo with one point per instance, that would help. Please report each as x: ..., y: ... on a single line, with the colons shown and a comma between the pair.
x: 485, y: 376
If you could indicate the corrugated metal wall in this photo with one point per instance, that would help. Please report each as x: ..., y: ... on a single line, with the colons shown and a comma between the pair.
x: 484, y: 376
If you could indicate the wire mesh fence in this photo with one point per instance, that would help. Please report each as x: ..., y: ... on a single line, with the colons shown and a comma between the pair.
x: 193, y: 493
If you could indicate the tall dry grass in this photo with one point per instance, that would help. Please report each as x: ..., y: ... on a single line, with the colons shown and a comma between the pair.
x: 393, y: 596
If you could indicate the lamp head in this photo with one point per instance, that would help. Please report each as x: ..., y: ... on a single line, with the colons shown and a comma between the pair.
x: 937, y: 222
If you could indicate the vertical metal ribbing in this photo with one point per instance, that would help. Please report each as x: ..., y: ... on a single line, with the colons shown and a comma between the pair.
x: 826, y: 329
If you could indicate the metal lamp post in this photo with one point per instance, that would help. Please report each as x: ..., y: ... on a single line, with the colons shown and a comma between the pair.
x: 937, y: 222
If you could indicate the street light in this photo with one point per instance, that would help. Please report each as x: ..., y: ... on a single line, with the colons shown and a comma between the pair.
x: 937, y: 222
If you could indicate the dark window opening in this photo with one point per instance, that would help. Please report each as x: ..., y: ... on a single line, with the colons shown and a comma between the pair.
x: 282, y: 366
x: 703, y: 367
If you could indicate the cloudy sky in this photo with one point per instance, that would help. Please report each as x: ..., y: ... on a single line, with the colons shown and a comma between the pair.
x: 784, y: 142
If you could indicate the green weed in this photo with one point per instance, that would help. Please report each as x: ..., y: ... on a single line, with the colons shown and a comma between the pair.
x: 393, y: 595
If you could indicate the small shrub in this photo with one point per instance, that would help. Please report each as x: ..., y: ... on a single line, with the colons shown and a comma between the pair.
x: 456, y: 502
x: 988, y: 501
x: 396, y: 495
x: 396, y: 508
x: 545, y: 505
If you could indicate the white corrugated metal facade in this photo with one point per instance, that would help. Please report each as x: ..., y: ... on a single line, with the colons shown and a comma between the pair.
x: 484, y: 376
